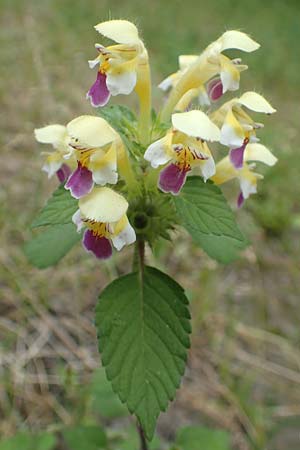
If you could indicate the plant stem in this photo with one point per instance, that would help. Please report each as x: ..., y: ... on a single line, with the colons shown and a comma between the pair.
x: 144, y: 445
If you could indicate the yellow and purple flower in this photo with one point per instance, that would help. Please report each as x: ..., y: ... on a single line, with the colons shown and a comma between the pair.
x: 184, y: 147
x: 225, y: 171
x: 103, y: 215
x: 55, y: 162
x: 117, y: 64
x: 95, y: 146
x: 238, y: 129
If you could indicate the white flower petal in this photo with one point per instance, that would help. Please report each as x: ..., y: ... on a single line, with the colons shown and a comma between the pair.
x: 51, y: 167
x: 93, y: 62
x: 258, y: 152
x: 123, y: 83
x: 103, y: 205
x: 256, y: 102
x: 77, y: 220
x: 120, y: 31
x: 51, y: 134
x: 237, y: 39
x: 125, y: 237
x: 156, y: 153
x: 90, y: 132
x: 228, y: 82
x: 208, y: 168
x: 167, y: 83
x: 247, y: 187
x: 107, y: 174
x: 197, y: 124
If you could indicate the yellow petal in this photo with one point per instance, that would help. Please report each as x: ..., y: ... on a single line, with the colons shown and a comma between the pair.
x: 103, y: 205
x: 237, y: 39
x: 120, y: 31
x: 256, y: 102
x: 258, y: 152
x: 90, y: 132
x: 51, y: 134
x: 186, y: 60
x: 100, y: 159
x: 224, y: 171
x: 196, y: 123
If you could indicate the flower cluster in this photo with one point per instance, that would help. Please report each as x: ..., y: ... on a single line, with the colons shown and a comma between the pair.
x: 89, y: 154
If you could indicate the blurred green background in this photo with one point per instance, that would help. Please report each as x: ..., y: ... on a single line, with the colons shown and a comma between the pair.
x: 244, y: 369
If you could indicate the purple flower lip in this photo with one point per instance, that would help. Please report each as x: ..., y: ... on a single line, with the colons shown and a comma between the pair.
x: 99, y: 93
x: 80, y: 182
x: 236, y: 155
x: 63, y: 173
x: 240, y: 200
x: 172, y: 178
x: 99, y: 245
x: 215, y: 89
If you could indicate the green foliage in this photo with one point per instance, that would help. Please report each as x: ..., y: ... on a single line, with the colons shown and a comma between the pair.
x: 123, y: 120
x: 82, y: 437
x: 58, y: 210
x: 28, y: 441
x: 104, y: 400
x: 205, y: 214
x: 202, y: 438
x: 52, y: 244
x: 143, y: 330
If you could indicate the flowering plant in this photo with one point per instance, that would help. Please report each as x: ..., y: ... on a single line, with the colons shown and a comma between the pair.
x: 127, y: 178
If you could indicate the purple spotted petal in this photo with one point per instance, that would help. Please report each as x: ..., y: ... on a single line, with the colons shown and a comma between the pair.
x: 100, y: 246
x: 98, y: 93
x: 236, y: 156
x: 80, y: 182
x: 240, y: 200
x: 215, y: 89
x: 63, y: 173
x: 172, y: 178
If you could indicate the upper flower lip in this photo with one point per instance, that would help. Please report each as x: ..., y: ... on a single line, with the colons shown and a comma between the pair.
x: 90, y: 132
x: 103, y: 205
x: 197, y: 124
x: 120, y: 31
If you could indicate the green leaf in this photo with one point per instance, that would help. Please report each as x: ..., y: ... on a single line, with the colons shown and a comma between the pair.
x: 28, y: 441
x: 202, y: 438
x: 123, y: 120
x: 51, y: 244
x: 81, y: 437
x: 119, y: 117
x: 58, y: 210
x: 206, y: 215
x: 105, y: 401
x: 143, y: 326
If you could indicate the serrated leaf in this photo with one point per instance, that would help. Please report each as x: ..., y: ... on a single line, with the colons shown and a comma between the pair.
x: 88, y: 437
x: 58, y: 210
x: 52, y: 244
x: 196, y: 438
x: 143, y: 328
x: 206, y: 215
x: 121, y: 118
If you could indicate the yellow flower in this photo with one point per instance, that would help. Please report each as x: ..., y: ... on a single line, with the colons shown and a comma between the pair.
x: 185, y: 147
x: 195, y: 71
x: 103, y: 215
x: 237, y: 127
x: 55, y: 162
x: 117, y: 64
x: 225, y: 171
